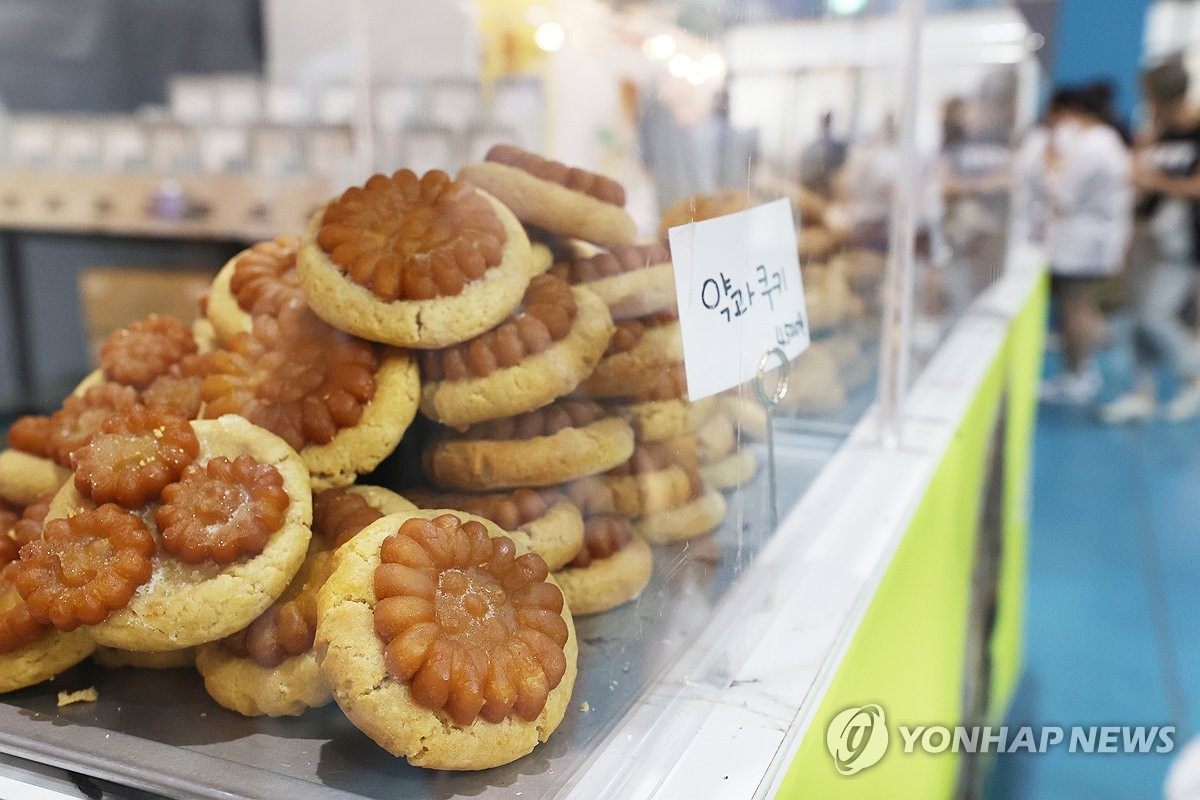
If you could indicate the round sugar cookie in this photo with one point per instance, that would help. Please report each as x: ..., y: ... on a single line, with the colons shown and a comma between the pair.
x: 697, y: 517
x: 293, y: 683
x: 43, y: 656
x: 544, y: 193
x: 544, y: 447
x: 457, y: 269
x: 532, y: 382
x: 637, y: 353
x: 449, y: 729
x: 544, y: 522
x: 341, y: 402
x: 261, y: 279
x: 632, y: 280
x: 188, y: 604
x: 615, y: 568
x: 731, y: 471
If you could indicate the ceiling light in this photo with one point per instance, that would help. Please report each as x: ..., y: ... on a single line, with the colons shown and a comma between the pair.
x: 549, y: 36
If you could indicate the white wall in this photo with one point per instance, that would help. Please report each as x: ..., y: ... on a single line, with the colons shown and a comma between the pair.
x: 785, y: 76
x: 410, y: 39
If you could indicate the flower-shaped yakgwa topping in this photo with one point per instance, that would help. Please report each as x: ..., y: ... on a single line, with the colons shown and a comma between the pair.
x: 409, y: 238
x: 339, y: 514
x: 17, y: 626
x: 80, y: 418
x: 22, y: 529
x: 84, y: 567
x: 603, y: 536
x: 590, y: 183
x: 288, y: 628
x: 31, y: 434
x: 138, y: 354
x: 606, y: 264
x: 629, y: 332
x: 474, y: 630
x: 671, y: 385
x: 265, y: 279
x: 509, y: 510
x: 547, y: 313
x: 545, y: 421
x: 134, y: 456
x: 222, y: 511
x: 293, y: 375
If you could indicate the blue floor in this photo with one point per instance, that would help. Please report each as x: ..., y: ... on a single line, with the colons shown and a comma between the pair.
x: 1113, y: 607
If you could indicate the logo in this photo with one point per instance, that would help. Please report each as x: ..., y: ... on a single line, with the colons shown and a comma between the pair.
x: 857, y: 738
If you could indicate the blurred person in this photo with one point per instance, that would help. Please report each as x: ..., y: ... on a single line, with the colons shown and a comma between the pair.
x: 1167, y: 172
x: 1088, y: 226
x: 728, y: 153
x: 974, y: 176
x: 821, y: 160
x: 866, y: 183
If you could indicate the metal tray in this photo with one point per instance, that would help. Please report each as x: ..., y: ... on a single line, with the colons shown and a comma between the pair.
x: 159, y: 731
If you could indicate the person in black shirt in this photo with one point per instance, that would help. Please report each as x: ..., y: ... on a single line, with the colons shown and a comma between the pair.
x: 1167, y: 173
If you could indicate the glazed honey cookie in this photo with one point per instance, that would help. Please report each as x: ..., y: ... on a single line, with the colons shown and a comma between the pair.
x: 659, y: 420
x: 269, y: 668
x: 414, y: 262
x: 716, y: 437
x: 561, y: 199
x: 30, y: 651
x: 551, y: 445
x: 632, y: 280
x: 731, y: 471
x: 341, y: 402
x: 652, y: 480
x: 191, y: 562
x: 702, y: 512
x: 154, y: 361
x: 544, y: 522
x: 748, y: 417
x: 259, y: 280
x: 444, y: 643
x: 700, y: 207
x: 612, y: 568
x: 537, y: 356
x: 815, y: 386
x: 638, y: 353
x: 664, y: 411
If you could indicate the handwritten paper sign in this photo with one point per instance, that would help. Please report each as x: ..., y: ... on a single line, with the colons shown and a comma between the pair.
x: 737, y: 279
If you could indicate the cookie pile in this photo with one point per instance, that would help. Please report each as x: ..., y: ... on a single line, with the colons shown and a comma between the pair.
x: 196, y: 499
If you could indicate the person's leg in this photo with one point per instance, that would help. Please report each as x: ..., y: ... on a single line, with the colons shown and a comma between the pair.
x: 1167, y: 290
x: 1080, y: 324
x: 1140, y: 403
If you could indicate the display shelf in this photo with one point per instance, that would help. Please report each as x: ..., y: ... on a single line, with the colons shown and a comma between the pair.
x: 159, y: 730
x: 715, y: 674
x: 226, y: 207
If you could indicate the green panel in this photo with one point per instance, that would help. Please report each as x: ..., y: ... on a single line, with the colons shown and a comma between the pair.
x: 1025, y: 347
x: 907, y: 654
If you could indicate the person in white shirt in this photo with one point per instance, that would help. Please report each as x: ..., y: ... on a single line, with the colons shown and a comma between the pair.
x: 1088, y: 227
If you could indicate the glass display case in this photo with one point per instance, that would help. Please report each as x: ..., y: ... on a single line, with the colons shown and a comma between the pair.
x: 765, y: 529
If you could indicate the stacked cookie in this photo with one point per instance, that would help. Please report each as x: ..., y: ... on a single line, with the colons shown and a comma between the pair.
x: 511, y: 435
x: 195, y: 500
x: 641, y: 377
